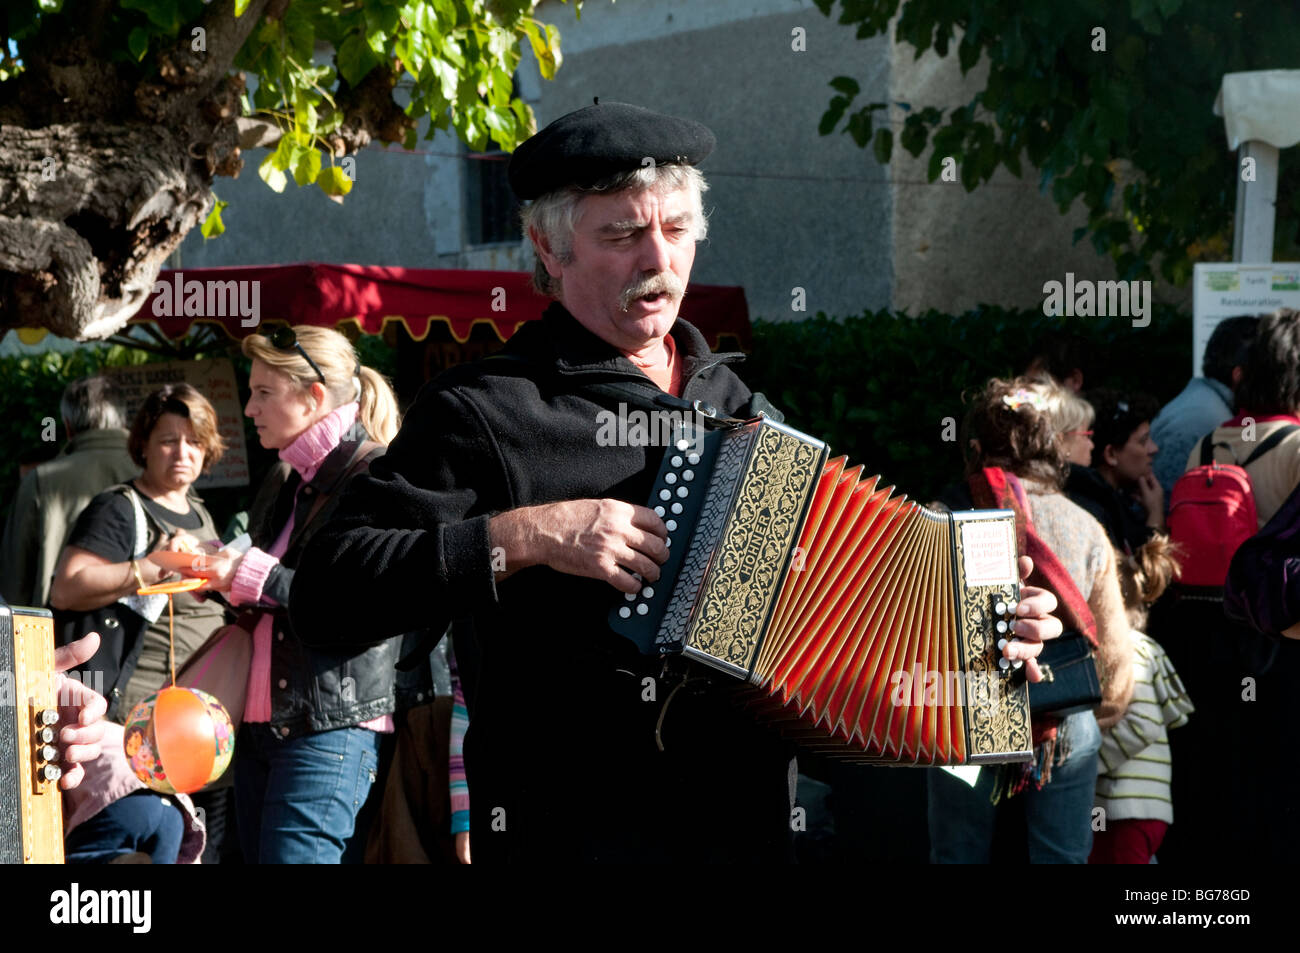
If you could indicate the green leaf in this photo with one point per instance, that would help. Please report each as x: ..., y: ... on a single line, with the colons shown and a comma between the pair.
x: 163, y: 13
x: 332, y: 181
x: 271, y: 175
x: 914, y: 135
x: 501, y: 123
x: 884, y: 145
x: 212, y: 225
x: 138, y: 43
x: 306, y: 167
x: 240, y: 7
x: 846, y: 85
x: 304, y: 112
x: 859, y: 127
x: 355, y: 59
x: 50, y: 6
x: 547, y: 60
x: 834, y: 113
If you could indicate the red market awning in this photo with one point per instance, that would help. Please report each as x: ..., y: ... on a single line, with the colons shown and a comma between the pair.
x: 240, y: 298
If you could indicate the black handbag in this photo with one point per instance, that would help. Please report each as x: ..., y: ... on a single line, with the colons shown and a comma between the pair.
x: 121, y: 635
x: 1070, y: 680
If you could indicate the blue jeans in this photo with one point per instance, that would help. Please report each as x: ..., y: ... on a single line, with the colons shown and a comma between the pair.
x: 142, y: 822
x: 1057, y: 820
x: 297, y: 800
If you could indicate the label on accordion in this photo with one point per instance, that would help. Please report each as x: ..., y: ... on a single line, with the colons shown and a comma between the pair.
x: 988, y: 552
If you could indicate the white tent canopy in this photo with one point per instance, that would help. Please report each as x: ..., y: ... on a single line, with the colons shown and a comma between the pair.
x: 1261, y: 114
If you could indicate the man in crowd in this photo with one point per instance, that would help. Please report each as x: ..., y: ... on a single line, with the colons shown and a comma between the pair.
x: 497, y: 506
x: 1204, y: 403
x: 51, y: 496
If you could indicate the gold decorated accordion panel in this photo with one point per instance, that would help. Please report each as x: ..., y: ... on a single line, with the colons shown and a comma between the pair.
x: 866, y: 626
x: 31, y: 809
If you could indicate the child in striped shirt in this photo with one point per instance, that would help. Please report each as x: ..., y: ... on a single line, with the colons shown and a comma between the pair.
x: 1134, y: 768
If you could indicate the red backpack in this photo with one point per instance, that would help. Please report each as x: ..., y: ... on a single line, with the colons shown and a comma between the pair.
x: 1212, y: 512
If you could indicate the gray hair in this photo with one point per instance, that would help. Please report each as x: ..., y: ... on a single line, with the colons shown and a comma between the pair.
x: 555, y: 213
x: 91, y: 403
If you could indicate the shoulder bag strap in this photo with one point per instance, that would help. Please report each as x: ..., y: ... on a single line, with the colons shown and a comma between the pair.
x: 364, y: 453
x: 1270, y: 442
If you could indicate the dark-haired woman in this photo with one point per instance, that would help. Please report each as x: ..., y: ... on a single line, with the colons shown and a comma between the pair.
x: 1120, y: 489
x: 174, y: 439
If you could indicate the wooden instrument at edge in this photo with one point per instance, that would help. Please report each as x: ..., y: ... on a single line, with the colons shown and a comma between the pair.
x: 31, y: 808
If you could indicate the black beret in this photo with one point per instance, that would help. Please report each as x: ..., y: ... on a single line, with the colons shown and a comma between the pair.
x: 587, y: 145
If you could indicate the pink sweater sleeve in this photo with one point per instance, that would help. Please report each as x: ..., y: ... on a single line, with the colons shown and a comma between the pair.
x: 250, y: 577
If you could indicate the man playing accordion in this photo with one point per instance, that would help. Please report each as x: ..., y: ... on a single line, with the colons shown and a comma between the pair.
x: 497, y: 507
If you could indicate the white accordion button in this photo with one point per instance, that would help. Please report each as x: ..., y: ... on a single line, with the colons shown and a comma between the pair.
x: 648, y: 592
x: 1000, y: 608
x: 688, y: 475
x: 1001, y: 626
x: 677, y: 461
x: 682, y: 445
x: 1003, y: 663
x: 665, y: 494
x: 1002, y: 643
x: 668, y: 541
x: 670, y: 477
x: 660, y: 511
x: 683, y: 492
x: 671, y: 524
x: 677, y: 508
x: 642, y: 609
x: 629, y: 596
x: 625, y: 613
x: 692, y: 458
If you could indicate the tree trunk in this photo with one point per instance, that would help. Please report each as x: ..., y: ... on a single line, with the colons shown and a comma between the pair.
x: 88, y: 214
x: 103, y: 175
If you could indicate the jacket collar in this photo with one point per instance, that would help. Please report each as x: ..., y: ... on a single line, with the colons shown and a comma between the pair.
x: 110, y: 438
x: 577, y: 351
x: 1221, y: 390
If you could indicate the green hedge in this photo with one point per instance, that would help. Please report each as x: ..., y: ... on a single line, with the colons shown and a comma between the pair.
x: 878, y: 387
x: 30, y: 389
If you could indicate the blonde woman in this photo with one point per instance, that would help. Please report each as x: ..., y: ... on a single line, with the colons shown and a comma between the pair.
x: 309, y: 744
x: 1071, y: 417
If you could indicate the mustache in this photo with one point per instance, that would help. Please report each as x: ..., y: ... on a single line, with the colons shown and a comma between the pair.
x: 663, y: 283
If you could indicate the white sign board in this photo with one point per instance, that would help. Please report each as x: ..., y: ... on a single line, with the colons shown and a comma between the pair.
x: 1231, y: 289
x: 215, y: 380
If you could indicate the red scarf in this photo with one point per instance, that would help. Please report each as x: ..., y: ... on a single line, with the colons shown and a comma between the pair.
x: 994, y: 488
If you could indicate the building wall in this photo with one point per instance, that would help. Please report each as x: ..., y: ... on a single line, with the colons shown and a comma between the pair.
x: 789, y: 208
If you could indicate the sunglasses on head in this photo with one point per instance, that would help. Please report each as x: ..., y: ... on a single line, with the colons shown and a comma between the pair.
x: 285, y: 339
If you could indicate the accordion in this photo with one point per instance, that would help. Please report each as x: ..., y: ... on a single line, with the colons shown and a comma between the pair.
x: 31, y: 809
x: 864, y: 626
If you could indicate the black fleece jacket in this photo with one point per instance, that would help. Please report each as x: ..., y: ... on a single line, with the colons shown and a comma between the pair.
x: 561, y: 753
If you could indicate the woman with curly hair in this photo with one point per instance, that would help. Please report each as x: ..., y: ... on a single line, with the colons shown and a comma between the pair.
x: 1011, y: 443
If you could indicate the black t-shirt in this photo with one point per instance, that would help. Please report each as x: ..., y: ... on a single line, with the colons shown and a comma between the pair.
x: 106, y: 527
